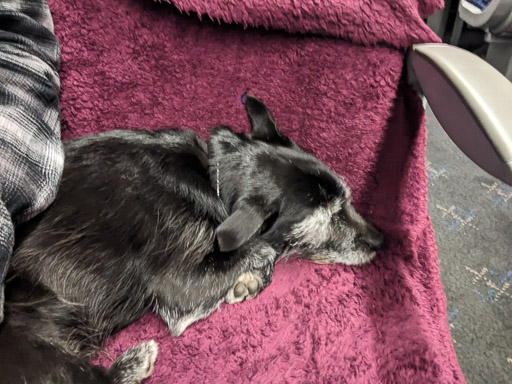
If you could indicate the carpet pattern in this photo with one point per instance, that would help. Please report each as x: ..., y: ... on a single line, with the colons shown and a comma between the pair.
x: 472, y: 217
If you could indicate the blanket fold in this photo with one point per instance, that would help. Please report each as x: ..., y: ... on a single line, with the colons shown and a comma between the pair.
x: 398, y: 23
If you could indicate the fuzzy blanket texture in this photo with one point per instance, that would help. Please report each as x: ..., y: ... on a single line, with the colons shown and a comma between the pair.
x: 331, y: 72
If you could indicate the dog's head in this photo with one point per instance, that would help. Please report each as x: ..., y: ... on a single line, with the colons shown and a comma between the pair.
x: 276, y: 190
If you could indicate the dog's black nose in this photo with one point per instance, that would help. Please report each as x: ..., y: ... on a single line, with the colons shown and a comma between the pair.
x: 373, y: 239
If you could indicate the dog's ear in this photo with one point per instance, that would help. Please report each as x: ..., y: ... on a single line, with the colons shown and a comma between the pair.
x: 262, y: 123
x: 245, y: 221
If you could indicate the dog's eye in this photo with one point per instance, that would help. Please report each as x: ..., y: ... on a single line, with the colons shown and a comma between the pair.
x: 267, y: 224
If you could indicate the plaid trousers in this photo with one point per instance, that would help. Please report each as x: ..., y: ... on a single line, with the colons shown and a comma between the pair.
x: 31, y: 152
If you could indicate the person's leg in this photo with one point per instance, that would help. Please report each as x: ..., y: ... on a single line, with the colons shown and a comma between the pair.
x: 31, y: 154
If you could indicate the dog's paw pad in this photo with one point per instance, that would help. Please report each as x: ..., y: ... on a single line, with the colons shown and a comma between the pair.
x: 247, y: 286
x: 253, y: 287
x: 240, y: 290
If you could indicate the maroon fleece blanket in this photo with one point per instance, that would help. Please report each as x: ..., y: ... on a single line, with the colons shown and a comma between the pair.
x: 332, y: 74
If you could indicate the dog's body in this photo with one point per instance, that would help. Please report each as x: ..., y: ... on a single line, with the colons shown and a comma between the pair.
x: 164, y: 221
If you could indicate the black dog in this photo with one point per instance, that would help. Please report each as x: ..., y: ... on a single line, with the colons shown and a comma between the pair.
x: 164, y: 221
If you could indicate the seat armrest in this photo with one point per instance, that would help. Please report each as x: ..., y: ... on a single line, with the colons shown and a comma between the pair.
x: 496, y: 16
x: 471, y: 100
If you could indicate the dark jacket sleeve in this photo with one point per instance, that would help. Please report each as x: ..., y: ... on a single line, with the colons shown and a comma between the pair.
x: 31, y: 153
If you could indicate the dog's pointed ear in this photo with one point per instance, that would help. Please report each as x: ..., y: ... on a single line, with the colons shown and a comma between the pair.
x: 244, y: 222
x: 262, y: 123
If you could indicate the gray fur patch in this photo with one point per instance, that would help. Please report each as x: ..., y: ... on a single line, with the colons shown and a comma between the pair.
x: 178, y: 324
x: 316, y: 228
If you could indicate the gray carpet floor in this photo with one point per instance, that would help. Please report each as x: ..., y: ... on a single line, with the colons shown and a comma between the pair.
x: 472, y: 217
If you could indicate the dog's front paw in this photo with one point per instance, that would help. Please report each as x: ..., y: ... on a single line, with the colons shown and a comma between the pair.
x: 248, y: 285
x: 260, y: 266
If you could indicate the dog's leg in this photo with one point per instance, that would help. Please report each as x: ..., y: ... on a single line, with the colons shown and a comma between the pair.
x: 135, y: 365
x: 214, y: 281
x: 36, y: 359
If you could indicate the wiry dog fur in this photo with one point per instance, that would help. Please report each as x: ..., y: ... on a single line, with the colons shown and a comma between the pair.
x: 164, y: 221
